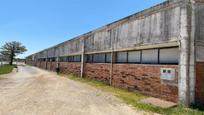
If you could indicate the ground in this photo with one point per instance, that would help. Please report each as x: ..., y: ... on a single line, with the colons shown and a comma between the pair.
x: 38, y: 92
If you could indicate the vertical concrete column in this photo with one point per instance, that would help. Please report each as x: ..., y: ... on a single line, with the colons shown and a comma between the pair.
x: 113, y: 56
x: 112, y: 53
x: 112, y: 37
x: 111, y: 69
x: 57, y: 58
x: 46, y: 60
x: 186, y: 83
x: 57, y: 62
x: 82, y: 57
x: 192, y: 74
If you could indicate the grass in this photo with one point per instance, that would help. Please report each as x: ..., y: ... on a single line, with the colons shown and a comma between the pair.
x: 133, y: 99
x: 5, y: 69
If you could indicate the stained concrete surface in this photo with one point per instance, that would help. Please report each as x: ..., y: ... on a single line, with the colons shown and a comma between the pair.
x: 158, y: 102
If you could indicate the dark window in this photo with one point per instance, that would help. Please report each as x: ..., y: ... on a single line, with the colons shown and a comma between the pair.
x: 108, y: 58
x: 89, y: 58
x: 77, y: 58
x: 99, y: 58
x: 63, y: 59
x: 74, y: 58
x: 43, y: 59
x: 121, y: 57
x: 53, y: 59
x: 134, y: 57
x: 70, y: 59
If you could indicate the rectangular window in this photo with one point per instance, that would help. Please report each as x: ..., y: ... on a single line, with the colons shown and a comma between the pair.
x: 99, y: 58
x: 53, y: 59
x: 60, y: 59
x: 134, y: 56
x: 41, y: 59
x: 150, y: 56
x: 108, y: 58
x: 121, y: 57
x: 89, y: 58
x: 169, y: 56
x: 63, y: 59
x: 70, y: 59
x: 77, y: 58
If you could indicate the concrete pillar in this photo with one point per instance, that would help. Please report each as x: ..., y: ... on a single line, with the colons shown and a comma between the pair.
x: 57, y: 57
x: 111, y: 68
x: 186, y: 83
x: 192, y: 75
x: 112, y: 55
x: 46, y: 60
x: 112, y: 37
x: 82, y: 58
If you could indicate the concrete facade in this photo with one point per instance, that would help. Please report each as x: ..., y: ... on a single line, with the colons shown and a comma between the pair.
x: 172, y: 24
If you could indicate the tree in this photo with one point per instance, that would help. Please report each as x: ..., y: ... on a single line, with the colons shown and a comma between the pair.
x: 12, y: 49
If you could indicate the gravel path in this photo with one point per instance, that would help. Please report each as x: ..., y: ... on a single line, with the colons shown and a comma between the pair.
x: 32, y: 91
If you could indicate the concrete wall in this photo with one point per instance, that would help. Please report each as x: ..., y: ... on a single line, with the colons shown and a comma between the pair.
x: 152, y: 28
x: 160, y: 24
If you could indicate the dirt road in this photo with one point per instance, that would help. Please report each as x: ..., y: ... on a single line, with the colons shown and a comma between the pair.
x: 32, y: 91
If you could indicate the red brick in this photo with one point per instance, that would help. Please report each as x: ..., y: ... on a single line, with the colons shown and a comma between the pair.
x: 70, y: 68
x: 199, y: 95
x: 145, y: 79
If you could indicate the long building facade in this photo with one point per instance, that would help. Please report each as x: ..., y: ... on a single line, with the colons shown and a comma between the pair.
x: 158, y: 52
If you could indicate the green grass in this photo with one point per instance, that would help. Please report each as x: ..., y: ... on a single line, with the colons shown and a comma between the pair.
x: 133, y: 99
x: 5, y: 69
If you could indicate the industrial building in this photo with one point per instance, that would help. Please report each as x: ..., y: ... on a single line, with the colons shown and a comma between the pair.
x: 158, y: 52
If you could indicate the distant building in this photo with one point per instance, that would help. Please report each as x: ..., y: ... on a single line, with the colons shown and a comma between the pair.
x: 158, y: 52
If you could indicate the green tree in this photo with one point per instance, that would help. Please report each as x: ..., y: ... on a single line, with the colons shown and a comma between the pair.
x: 12, y: 49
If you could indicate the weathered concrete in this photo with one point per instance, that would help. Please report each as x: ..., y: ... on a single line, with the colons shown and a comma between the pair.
x: 187, y: 62
x: 158, y: 102
x: 160, y: 24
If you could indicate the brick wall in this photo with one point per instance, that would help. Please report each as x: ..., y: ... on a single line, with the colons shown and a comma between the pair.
x: 146, y: 80
x: 199, y: 95
x: 38, y: 64
x: 100, y: 72
x: 70, y: 68
x: 51, y: 66
x: 43, y: 65
x: 142, y: 78
x: 29, y: 62
x: 136, y: 77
